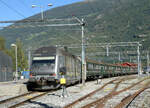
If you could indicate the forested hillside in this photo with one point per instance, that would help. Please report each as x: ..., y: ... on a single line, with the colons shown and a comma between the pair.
x: 106, y: 21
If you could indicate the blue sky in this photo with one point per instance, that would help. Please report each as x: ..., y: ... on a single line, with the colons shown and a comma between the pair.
x: 20, y: 9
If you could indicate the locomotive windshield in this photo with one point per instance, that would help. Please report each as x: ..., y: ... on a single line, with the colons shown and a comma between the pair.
x: 43, y: 65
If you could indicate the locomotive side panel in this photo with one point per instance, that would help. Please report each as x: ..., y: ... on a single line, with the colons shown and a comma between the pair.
x: 71, y: 65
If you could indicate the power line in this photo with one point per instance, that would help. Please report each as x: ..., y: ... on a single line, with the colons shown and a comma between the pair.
x: 12, y: 8
x: 25, y: 5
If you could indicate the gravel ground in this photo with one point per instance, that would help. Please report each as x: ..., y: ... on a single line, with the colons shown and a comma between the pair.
x: 54, y: 99
x: 98, y: 95
x: 5, y: 97
x: 12, y: 88
x: 117, y: 99
x: 75, y: 92
x: 141, y: 101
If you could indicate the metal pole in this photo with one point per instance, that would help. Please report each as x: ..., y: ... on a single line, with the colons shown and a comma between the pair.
x: 138, y: 54
x: 5, y: 74
x: 83, y: 55
x: 42, y: 16
x: 107, y: 50
x: 16, y: 64
x: 29, y: 59
x: 119, y: 57
x: 130, y: 59
x: 147, y: 59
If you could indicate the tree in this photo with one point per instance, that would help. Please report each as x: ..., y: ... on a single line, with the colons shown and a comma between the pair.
x: 2, y: 43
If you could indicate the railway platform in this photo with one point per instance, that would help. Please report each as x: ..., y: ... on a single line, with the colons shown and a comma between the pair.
x: 12, y: 88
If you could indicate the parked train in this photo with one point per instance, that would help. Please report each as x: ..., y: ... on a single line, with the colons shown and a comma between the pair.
x: 48, y: 64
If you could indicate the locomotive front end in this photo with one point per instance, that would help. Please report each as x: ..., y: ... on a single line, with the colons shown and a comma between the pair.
x: 43, y: 74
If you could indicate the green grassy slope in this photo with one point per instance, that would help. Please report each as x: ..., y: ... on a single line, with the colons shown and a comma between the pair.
x: 106, y: 21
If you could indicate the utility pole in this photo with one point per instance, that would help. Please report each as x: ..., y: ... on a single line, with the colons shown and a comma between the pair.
x: 82, y: 23
x: 147, y: 59
x: 119, y: 57
x: 130, y: 59
x: 107, y: 50
x: 29, y: 59
x: 83, y: 55
x: 147, y: 69
x: 42, y: 13
x: 138, y: 58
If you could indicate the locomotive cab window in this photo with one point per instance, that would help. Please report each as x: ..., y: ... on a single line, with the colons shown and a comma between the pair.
x: 43, y: 65
x: 61, y: 61
x: 62, y: 67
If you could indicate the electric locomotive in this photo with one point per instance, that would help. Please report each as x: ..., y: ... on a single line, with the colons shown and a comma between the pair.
x: 48, y: 64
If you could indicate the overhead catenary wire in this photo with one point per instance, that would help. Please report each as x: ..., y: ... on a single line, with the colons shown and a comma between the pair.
x: 13, y: 9
x: 25, y: 6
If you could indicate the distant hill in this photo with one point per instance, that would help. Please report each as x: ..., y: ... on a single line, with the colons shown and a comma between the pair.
x: 106, y: 21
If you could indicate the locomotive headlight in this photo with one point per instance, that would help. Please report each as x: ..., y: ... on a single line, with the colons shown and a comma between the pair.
x: 30, y: 75
x: 52, y: 74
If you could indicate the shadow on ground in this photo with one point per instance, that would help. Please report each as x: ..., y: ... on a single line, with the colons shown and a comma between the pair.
x: 43, y: 105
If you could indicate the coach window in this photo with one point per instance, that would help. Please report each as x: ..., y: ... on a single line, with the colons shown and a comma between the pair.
x: 79, y: 67
x: 61, y: 61
x: 67, y: 64
x: 71, y: 69
x: 94, y: 66
x: 90, y: 66
x: 97, y: 66
x: 73, y: 66
x: 102, y: 67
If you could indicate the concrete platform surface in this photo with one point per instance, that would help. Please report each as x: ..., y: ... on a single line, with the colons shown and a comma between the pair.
x: 13, y: 88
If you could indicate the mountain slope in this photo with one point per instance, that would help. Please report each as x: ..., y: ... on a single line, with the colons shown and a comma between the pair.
x: 106, y: 21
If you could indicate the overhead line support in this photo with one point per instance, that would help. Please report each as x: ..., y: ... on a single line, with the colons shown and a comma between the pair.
x: 83, y: 54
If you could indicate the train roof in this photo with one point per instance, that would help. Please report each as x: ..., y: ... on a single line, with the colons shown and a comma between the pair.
x: 101, y: 63
x: 45, y: 51
x: 50, y: 51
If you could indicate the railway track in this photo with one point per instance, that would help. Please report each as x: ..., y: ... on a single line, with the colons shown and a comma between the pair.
x: 21, y: 99
x: 129, y: 99
x: 94, y: 92
x: 88, y: 95
x: 100, y: 102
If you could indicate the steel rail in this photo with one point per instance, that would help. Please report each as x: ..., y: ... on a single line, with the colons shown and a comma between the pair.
x: 90, y: 94
x: 101, y: 102
x: 129, y: 99
x: 22, y: 99
x: 12, y: 98
x: 29, y: 99
x: 94, y: 92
